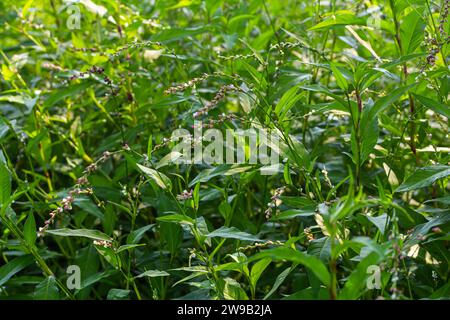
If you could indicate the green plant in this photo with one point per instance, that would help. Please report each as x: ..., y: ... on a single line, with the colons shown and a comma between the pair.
x: 360, y: 109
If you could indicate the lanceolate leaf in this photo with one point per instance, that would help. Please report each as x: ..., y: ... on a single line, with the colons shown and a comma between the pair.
x: 232, y: 233
x: 435, y: 105
x: 177, y: 218
x: 14, y: 266
x: 411, y: 31
x: 29, y: 230
x: 91, y: 234
x: 424, y: 177
x: 153, y: 273
x: 47, y: 290
x: 5, y: 184
x: 357, y: 282
x: 159, y: 178
x: 311, y: 262
x: 287, y: 101
x: 383, y: 103
x: 339, y: 19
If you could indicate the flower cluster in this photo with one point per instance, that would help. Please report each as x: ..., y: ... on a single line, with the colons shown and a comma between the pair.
x: 212, y: 122
x: 443, y: 18
x: 165, y: 142
x: 327, y: 178
x: 90, y: 71
x: 83, y: 49
x: 275, y: 201
x: 309, y: 235
x: 261, y: 245
x: 238, y: 57
x: 185, y: 195
x: 215, y: 101
x: 135, y: 45
x: 65, y: 205
x: 79, y: 188
x: 52, y: 66
x: 184, y: 86
x: 433, y: 49
x: 103, y: 243
x: 286, y: 45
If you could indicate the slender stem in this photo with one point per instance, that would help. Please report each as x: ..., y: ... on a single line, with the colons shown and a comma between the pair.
x: 412, y: 131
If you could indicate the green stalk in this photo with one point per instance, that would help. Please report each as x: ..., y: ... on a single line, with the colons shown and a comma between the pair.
x: 33, y: 251
x: 412, y: 129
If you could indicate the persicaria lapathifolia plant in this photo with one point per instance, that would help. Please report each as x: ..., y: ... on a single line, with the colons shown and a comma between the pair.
x: 349, y: 200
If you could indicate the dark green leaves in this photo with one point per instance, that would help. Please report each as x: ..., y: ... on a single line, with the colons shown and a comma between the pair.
x: 383, y: 103
x: 14, y: 266
x: 342, y: 18
x: 311, y: 262
x: 5, y: 184
x: 340, y: 79
x: 29, y: 229
x: 434, y: 105
x: 159, y: 178
x: 91, y: 234
x: 356, y: 93
x: 47, y: 290
x: 153, y: 274
x: 232, y: 233
x: 424, y: 177
x: 411, y: 32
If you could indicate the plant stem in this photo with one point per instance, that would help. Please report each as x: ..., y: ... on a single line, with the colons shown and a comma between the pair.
x: 412, y: 129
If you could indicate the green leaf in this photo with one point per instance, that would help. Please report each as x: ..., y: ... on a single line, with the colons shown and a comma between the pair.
x: 14, y: 266
x: 5, y: 184
x: 91, y: 234
x: 424, y: 228
x: 312, y: 263
x: 88, y: 205
x: 177, y: 218
x: 320, y: 248
x: 159, y: 178
x: 340, y: 79
x: 369, y: 135
x: 47, y: 290
x: 381, y: 222
x: 96, y: 278
x: 232, y: 233
x: 411, y: 31
x: 257, y: 270
x: 310, y: 293
x: 424, y: 177
x: 321, y: 89
x: 61, y: 94
x: 118, y: 294
x: 343, y: 18
x: 278, y: 282
x: 382, y: 103
x: 442, y: 292
x: 434, y: 105
x: 135, y: 236
x: 232, y: 290
x: 168, y: 159
x: 126, y: 247
x: 29, y: 229
x: 356, y: 283
x: 222, y: 170
x: 294, y: 213
x: 153, y: 274
x: 110, y: 256
x: 287, y: 101
x: 173, y: 34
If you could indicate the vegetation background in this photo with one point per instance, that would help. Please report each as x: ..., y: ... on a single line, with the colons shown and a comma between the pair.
x: 90, y: 92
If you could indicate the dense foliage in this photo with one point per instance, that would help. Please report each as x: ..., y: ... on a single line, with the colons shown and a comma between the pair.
x: 356, y: 91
